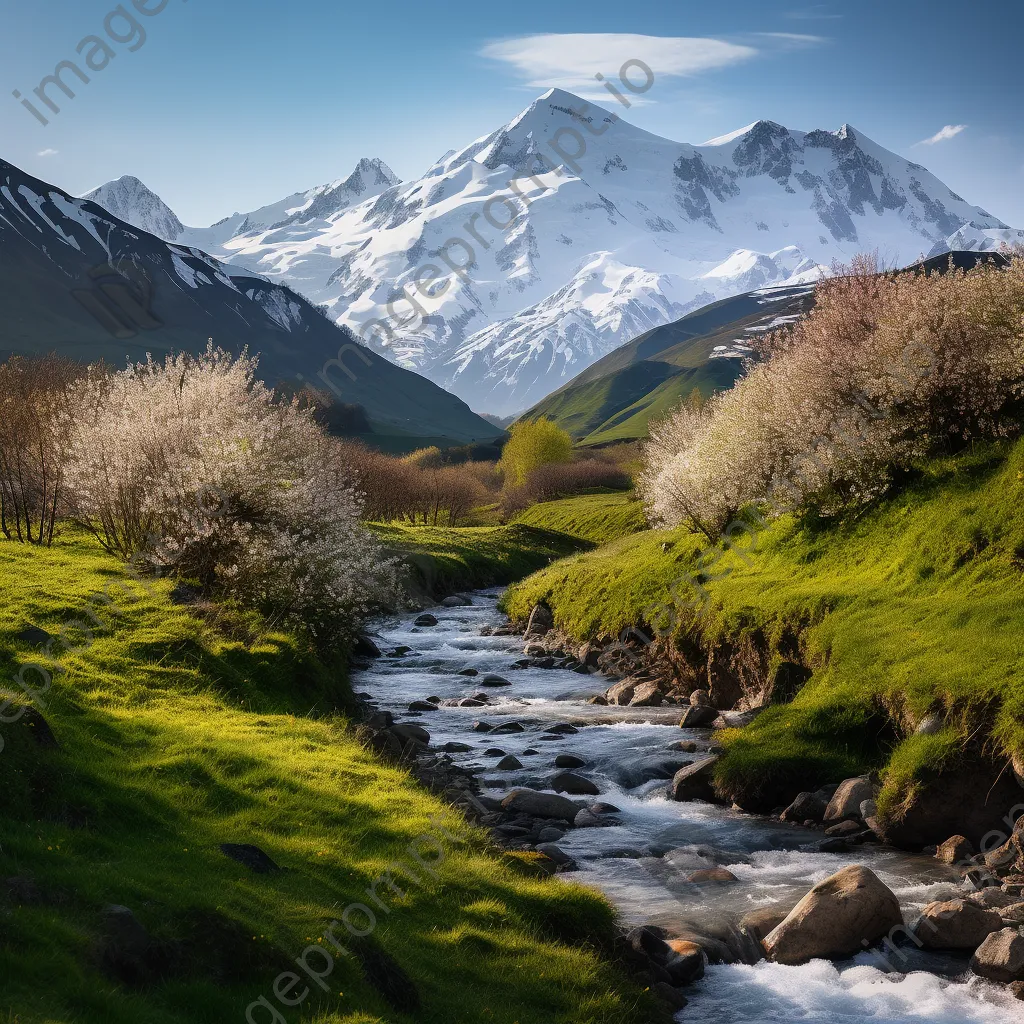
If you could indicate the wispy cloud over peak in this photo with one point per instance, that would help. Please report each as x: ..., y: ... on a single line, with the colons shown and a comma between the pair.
x: 572, y: 61
x: 943, y: 134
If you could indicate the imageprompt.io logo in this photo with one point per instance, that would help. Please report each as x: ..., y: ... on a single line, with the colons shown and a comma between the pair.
x: 119, y: 299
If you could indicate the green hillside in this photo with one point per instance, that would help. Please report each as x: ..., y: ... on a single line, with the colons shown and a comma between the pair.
x: 616, y: 397
x: 178, y: 728
x: 594, y: 518
x: 915, y: 609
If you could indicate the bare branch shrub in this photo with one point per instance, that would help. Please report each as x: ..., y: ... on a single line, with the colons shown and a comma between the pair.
x: 34, y: 426
x: 564, y: 480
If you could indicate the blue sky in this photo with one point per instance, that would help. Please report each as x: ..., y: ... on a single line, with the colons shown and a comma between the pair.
x: 229, y: 104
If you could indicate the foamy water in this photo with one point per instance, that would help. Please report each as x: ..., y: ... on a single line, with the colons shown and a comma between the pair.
x: 630, y: 756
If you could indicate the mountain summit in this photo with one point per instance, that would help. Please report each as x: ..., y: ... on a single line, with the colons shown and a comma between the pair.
x: 515, y: 262
x: 129, y: 200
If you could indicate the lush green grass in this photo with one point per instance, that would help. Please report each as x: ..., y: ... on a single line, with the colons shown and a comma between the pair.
x: 175, y: 738
x: 597, y: 518
x: 918, y: 606
x: 444, y: 559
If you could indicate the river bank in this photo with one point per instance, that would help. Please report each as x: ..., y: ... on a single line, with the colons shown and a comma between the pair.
x: 695, y: 870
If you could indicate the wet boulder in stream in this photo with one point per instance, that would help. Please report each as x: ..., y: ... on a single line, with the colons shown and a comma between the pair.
x: 588, y: 818
x: 576, y: 785
x: 836, y: 918
x: 956, y: 924
x: 694, y: 781
x: 1000, y: 957
x: 540, y: 805
x: 647, y: 695
x: 569, y: 761
x: 621, y: 693
x: 698, y: 716
x: 508, y: 727
x: 955, y: 850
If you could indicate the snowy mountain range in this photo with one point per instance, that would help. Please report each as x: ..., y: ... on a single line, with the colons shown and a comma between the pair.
x: 79, y: 281
x: 511, y: 265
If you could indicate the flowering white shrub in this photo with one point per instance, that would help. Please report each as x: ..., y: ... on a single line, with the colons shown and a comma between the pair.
x: 192, y: 464
x: 885, y: 369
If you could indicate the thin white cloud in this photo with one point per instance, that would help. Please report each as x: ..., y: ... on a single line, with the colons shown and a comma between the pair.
x: 572, y: 61
x: 47, y: 152
x: 792, y: 38
x: 949, y: 132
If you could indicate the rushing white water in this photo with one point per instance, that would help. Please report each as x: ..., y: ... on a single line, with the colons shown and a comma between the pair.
x: 642, y: 864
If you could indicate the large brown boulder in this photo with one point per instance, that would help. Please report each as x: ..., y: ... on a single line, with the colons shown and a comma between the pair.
x: 622, y: 692
x: 541, y: 620
x: 698, y: 717
x: 955, y: 850
x: 647, y: 695
x: 1000, y: 957
x: 847, y: 800
x: 759, y: 923
x: 971, y: 800
x: 956, y: 924
x: 693, y: 782
x: 1008, y: 858
x: 836, y: 918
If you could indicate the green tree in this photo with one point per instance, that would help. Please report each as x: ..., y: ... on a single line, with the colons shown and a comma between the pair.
x: 532, y: 444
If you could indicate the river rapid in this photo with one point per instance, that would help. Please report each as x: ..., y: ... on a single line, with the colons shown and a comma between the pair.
x: 640, y: 864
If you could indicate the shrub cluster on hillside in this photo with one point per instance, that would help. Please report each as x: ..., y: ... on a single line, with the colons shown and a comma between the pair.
x: 35, y: 425
x: 418, y: 488
x: 531, y: 444
x: 193, y: 466
x: 886, y: 369
x: 564, y: 480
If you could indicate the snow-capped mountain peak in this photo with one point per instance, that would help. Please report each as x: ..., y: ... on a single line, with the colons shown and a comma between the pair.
x: 519, y: 259
x: 129, y: 200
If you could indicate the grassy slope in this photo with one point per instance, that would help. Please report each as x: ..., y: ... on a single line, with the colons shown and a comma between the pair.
x: 175, y: 739
x: 615, y: 398
x: 583, y: 407
x: 443, y: 559
x: 914, y: 608
x: 633, y: 422
x: 596, y: 518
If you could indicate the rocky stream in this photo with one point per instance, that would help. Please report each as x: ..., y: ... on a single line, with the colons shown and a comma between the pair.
x: 596, y: 800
